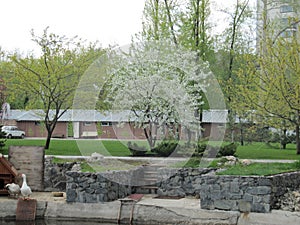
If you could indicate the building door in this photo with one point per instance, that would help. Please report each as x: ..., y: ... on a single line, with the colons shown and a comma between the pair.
x: 76, y: 129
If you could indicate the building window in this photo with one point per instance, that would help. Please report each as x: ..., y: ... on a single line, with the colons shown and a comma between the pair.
x: 87, y: 124
x: 106, y: 124
x: 288, y: 33
x: 289, y: 22
x: 221, y: 126
x: 286, y: 8
x: 284, y: 22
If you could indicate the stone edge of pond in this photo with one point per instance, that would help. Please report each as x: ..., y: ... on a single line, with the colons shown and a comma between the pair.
x: 148, y: 214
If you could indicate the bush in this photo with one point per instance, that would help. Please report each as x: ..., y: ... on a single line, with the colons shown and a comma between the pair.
x: 136, y: 150
x: 200, y: 148
x: 297, y: 164
x: 166, y: 147
x: 228, y: 150
x: 213, y: 151
x: 283, y: 139
x: 192, y: 163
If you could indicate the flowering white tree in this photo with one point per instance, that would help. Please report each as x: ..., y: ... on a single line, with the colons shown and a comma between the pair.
x: 161, y: 84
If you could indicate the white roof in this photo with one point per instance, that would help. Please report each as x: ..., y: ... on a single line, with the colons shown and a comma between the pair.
x: 209, y: 116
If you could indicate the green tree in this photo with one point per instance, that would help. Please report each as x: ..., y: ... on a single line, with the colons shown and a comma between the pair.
x: 18, y: 99
x: 2, y: 79
x: 160, y: 19
x: 270, y: 84
x: 195, y: 36
x: 236, y: 41
x: 195, y: 28
x: 51, y: 79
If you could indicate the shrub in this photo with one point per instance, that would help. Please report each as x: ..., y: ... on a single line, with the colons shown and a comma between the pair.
x: 165, y: 148
x: 192, y: 163
x: 136, y: 150
x: 212, y: 151
x: 283, y: 139
x: 228, y: 150
x: 200, y: 148
x: 297, y: 164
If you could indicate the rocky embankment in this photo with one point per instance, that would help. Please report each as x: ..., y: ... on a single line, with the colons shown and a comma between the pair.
x: 290, y: 201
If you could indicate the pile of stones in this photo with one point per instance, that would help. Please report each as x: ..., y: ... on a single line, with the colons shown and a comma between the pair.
x: 290, y: 201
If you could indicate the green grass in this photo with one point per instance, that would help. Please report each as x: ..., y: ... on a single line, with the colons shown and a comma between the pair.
x: 102, y: 166
x: 261, y: 169
x: 73, y: 147
x: 119, y: 148
x: 267, y: 151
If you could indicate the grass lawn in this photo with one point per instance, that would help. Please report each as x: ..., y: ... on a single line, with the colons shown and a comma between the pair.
x: 73, y: 147
x: 119, y: 148
x: 267, y: 151
x: 261, y: 169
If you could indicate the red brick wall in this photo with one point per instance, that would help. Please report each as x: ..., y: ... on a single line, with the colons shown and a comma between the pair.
x: 36, y: 129
x: 114, y: 131
x: 125, y: 131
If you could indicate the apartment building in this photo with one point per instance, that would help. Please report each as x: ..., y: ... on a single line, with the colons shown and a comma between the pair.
x: 280, y: 18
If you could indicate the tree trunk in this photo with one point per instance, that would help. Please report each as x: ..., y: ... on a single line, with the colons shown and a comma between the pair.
x: 50, y: 129
x: 242, y: 133
x: 283, y: 139
x: 297, y: 140
x: 47, y: 145
x: 171, y: 24
x: 149, y: 137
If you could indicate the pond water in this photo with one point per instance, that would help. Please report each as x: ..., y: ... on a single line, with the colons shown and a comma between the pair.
x: 52, y: 222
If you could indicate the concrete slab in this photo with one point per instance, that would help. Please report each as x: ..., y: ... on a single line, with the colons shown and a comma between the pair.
x: 276, y: 217
x: 189, y: 203
x: 148, y: 210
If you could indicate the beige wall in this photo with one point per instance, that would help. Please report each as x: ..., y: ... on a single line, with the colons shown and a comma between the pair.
x: 30, y: 161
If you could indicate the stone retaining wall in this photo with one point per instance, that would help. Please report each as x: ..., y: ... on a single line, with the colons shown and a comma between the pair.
x: 55, y: 174
x: 237, y: 193
x: 281, y: 184
x: 181, y: 182
x: 246, y: 194
x: 98, y: 187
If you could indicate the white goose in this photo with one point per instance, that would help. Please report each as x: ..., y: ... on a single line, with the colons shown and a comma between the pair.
x: 25, y: 189
x: 13, y: 189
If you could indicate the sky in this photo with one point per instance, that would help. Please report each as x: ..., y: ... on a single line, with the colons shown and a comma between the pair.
x: 108, y: 21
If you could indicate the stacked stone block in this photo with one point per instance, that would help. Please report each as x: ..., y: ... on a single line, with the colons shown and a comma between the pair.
x: 181, y: 182
x: 246, y: 193
x: 96, y: 187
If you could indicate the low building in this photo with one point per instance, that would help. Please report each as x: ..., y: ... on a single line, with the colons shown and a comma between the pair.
x: 107, y: 125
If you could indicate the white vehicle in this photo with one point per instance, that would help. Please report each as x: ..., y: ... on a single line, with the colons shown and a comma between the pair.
x: 13, y: 131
